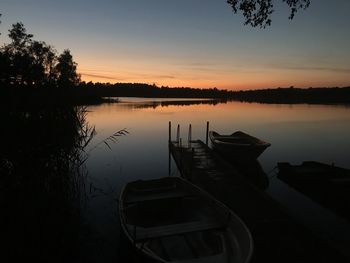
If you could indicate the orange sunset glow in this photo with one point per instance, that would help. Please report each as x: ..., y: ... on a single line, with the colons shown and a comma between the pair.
x: 200, y: 46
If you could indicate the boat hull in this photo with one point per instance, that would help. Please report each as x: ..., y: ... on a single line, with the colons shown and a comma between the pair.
x: 172, y: 220
x: 238, y: 146
x: 326, y: 184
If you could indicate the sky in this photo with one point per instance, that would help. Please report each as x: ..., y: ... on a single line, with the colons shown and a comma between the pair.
x: 192, y: 43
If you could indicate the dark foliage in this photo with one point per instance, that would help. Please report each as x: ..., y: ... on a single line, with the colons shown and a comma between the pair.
x: 26, y: 62
x: 295, y: 95
x: 148, y: 91
x: 44, y: 133
x: 42, y: 180
x: 324, y: 95
x: 258, y: 12
x: 67, y: 70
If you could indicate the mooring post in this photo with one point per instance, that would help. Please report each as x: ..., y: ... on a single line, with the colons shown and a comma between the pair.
x: 192, y: 160
x: 189, y: 136
x: 207, y: 133
x: 169, y: 162
x: 178, y: 133
x: 181, y: 152
x: 169, y: 149
x: 169, y: 131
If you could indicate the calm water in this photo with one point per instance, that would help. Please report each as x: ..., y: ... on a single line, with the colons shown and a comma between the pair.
x: 296, y: 132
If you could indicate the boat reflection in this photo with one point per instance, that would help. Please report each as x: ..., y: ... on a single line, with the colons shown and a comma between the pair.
x: 253, y: 171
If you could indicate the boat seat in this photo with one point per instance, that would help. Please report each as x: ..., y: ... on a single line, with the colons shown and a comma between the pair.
x: 176, y: 229
x: 152, y: 189
x: 223, y: 257
x: 156, y: 196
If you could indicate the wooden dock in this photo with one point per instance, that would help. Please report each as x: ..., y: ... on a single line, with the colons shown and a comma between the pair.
x: 277, y: 238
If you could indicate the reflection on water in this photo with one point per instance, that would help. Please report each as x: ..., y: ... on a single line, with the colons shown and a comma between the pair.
x: 158, y: 102
x: 296, y: 132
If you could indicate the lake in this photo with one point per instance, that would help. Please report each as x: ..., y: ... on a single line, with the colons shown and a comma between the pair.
x: 297, y: 133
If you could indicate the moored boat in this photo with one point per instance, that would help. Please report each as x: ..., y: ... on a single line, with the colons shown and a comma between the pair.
x: 325, y: 184
x: 171, y: 220
x: 314, y: 173
x: 238, y: 145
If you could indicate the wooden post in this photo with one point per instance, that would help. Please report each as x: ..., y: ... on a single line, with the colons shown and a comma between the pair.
x: 207, y: 133
x: 180, y: 151
x: 192, y: 160
x: 178, y: 133
x: 189, y: 136
x: 169, y: 145
x: 169, y: 131
x: 169, y: 162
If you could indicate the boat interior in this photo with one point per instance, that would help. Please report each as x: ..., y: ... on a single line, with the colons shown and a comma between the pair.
x: 178, y: 225
x: 237, y: 138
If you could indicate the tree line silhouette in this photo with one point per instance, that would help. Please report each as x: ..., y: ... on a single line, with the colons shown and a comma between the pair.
x: 291, y: 95
x: 278, y: 95
x: 32, y: 72
x: 27, y: 62
x: 149, y: 91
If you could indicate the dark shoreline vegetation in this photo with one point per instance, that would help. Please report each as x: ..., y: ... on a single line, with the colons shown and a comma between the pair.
x: 44, y: 134
x: 42, y: 183
x: 291, y: 95
x: 92, y: 94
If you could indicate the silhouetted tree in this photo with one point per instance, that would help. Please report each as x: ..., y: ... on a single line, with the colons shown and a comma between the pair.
x: 20, y: 38
x: 18, y: 55
x: 258, y: 12
x: 67, y: 70
x: 44, y: 61
x: 4, y: 68
x: 27, y: 62
x: 3, y: 64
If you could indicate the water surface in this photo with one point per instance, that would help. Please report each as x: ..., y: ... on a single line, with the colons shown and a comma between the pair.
x: 297, y: 133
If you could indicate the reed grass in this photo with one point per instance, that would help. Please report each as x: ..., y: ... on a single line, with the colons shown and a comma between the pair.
x: 43, y: 181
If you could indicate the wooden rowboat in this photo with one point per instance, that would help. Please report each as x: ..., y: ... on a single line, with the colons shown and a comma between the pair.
x: 325, y: 184
x: 171, y: 220
x: 238, y: 145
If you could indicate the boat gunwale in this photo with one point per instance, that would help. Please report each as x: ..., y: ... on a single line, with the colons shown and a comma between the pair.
x: 232, y: 216
x: 217, y: 139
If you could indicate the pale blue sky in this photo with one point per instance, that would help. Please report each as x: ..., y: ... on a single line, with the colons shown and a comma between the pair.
x: 198, y: 43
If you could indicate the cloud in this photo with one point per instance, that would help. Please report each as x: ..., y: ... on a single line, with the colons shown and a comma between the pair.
x: 100, y: 76
x: 166, y: 77
x: 337, y: 70
x: 200, y: 66
x: 148, y: 75
x: 312, y: 68
x: 129, y: 76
